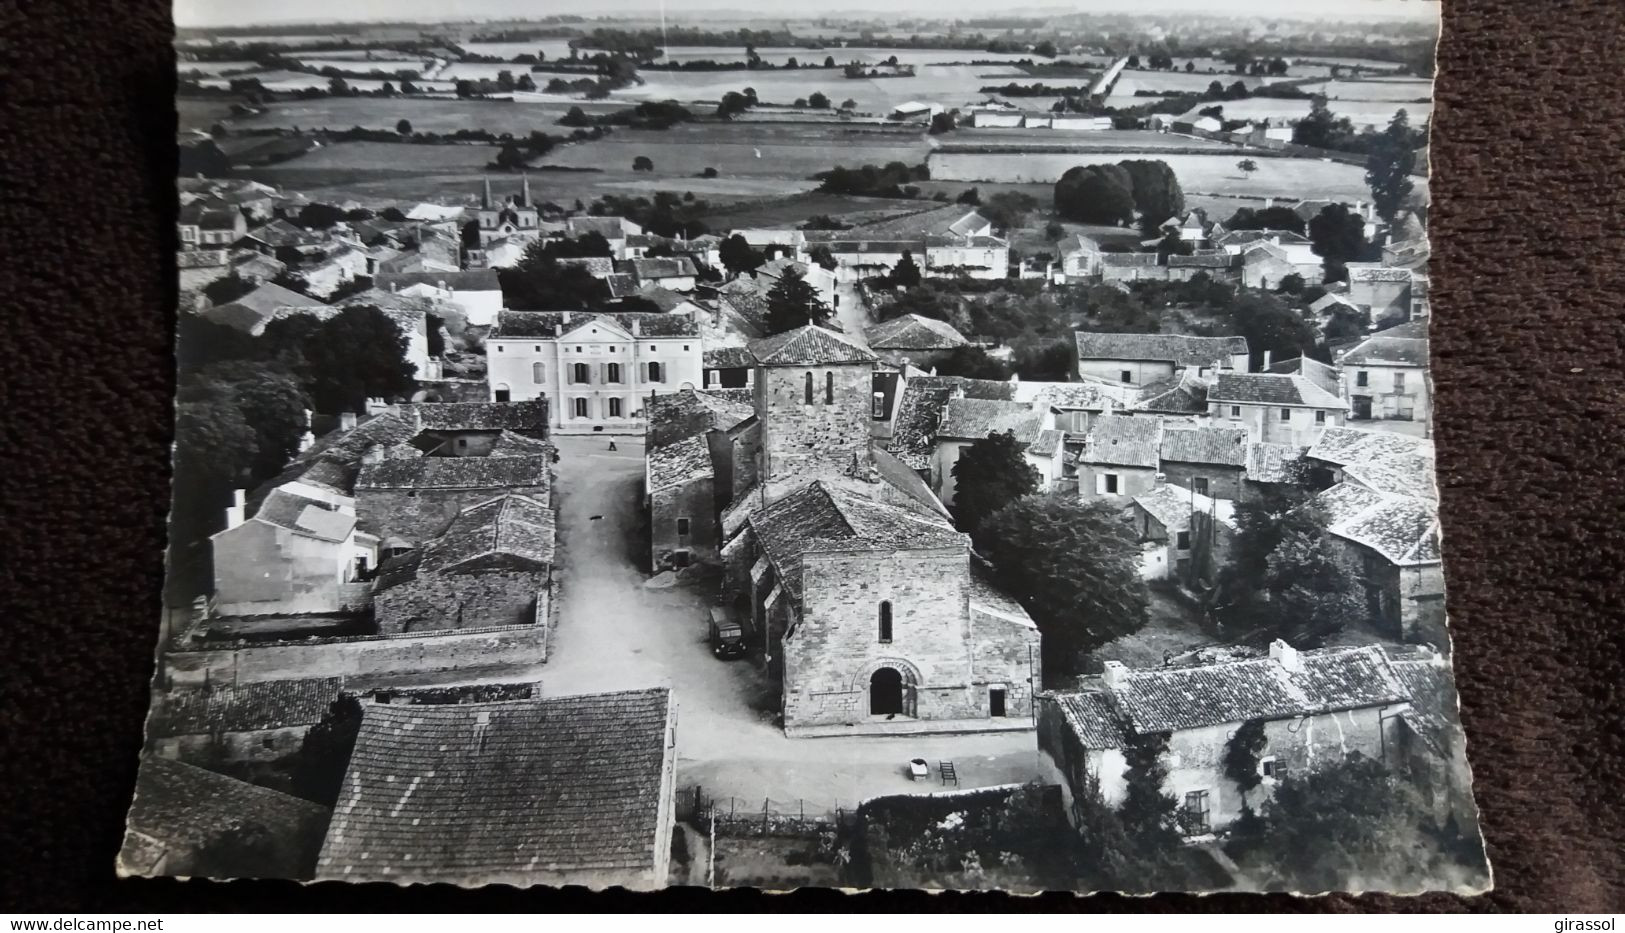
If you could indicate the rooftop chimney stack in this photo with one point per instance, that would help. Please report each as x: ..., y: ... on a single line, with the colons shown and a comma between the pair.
x: 1114, y: 674
x: 1286, y: 656
x: 238, y: 510
x: 637, y: 328
x: 347, y: 421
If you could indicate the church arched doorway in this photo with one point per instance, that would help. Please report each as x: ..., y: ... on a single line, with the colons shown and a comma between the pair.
x: 885, y: 692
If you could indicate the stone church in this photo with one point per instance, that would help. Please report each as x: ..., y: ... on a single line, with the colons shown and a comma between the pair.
x: 873, y: 611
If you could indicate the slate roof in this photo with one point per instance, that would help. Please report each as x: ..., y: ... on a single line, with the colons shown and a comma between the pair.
x: 1382, y: 350
x: 182, y: 806
x: 1331, y: 680
x: 1223, y: 446
x: 1276, y: 463
x: 913, y: 332
x: 1175, y: 348
x: 1404, y: 530
x: 1121, y: 440
x: 483, y: 416
x: 248, y: 707
x: 974, y: 419
x: 455, y: 473
x: 1271, y: 389
x: 517, y: 529
x: 820, y: 514
x: 515, y: 792
x: 473, y: 280
x: 809, y: 345
x: 680, y: 462
x: 303, y: 515
x: 543, y: 324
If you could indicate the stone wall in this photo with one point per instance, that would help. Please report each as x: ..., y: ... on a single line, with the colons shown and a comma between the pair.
x: 450, y: 602
x: 832, y: 654
x: 1223, y: 482
x: 204, y: 750
x: 1131, y: 482
x: 803, y: 438
x: 694, y: 501
x: 518, y: 646
x: 421, y: 514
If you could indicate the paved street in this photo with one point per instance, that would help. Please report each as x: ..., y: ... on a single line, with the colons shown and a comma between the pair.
x: 614, y: 634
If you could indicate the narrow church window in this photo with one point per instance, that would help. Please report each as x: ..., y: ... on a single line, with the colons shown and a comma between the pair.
x: 829, y: 388
x: 885, y: 622
x: 809, y: 400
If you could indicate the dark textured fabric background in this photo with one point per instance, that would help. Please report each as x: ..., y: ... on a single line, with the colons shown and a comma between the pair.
x: 1529, y: 367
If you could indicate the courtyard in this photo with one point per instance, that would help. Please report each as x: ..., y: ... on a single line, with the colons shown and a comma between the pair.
x: 616, y: 634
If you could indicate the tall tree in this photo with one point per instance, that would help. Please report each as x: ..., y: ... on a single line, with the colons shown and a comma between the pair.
x: 1338, y: 237
x: 793, y: 302
x: 1389, y: 164
x: 1077, y: 567
x: 991, y: 473
x: 355, y: 355
x: 1148, y: 811
x: 906, y: 273
x: 272, y: 402
x: 324, y: 756
x: 1088, y: 195
x: 972, y: 363
x: 737, y: 255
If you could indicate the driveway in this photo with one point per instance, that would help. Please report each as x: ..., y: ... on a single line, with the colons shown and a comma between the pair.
x: 613, y: 634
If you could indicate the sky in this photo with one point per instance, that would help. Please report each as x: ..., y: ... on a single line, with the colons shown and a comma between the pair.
x: 252, y: 12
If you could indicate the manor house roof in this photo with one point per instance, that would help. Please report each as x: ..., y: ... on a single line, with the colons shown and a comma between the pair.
x: 1174, y: 348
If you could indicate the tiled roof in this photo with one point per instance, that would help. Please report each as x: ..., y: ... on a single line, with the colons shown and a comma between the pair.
x: 986, y: 597
x: 1183, y: 394
x: 692, y: 412
x: 1202, y: 261
x: 913, y: 332
x: 1360, y: 272
x: 1243, y: 237
x: 1047, y: 443
x: 245, y: 707
x: 1404, y: 530
x: 1271, y: 389
x: 1406, y: 475
x: 515, y: 792
x: 1093, y: 719
x: 269, y: 297
x: 1129, y: 259
x: 1382, y: 350
x: 1224, y: 446
x: 1175, y: 348
x: 483, y: 416
x: 1331, y: 680
x: 611, y: 228
x: 809, y: 345
x: 1122, y: 440
x: 1344, y: 446
x: 660, y: 268
x: 920, y: 412
x: 597, y: 266
x: 621, y: 284
x: 1433, y: 713
x: 821, y: 514
x: 663, y: 298
x: 1173, y: 507
x: 515, y: 531
x: 454, y: 473
x: 951, y: 219
x: 509, y: 444
x: 680, y: 462
x: 182, y: 806
x: 729, y: 358
x: 1073, y: 396
x: 1276, y: 463
x: 473, y: 280
x: 974, y: 419
x: 303, y: 515
x: 546, y: 324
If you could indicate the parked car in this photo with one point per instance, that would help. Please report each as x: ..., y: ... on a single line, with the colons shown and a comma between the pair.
x: 727, y: 635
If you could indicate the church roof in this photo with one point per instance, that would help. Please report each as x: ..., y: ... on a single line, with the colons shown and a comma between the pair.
x: 809, y: 345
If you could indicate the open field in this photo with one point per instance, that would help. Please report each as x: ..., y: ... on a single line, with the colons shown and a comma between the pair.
x: 1217, y: 174
x: 198, y: 113
x: 775, y: 150
x: 299, y: 81
x: 1179, y: 82
x: 1362, y: 113
x: 1126, y: 140
x: 551, y: 48
x: 1390, y: 89
x: 380, y: 64
x: 948, y: 85
x: 214, y: 68
x: 426, y: 114
x: 795, y: 210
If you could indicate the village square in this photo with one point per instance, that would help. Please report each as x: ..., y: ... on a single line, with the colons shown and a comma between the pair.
x: 1046, y: 507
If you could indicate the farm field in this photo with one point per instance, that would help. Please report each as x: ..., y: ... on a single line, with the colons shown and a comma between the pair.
x: 1214, y: 174
x: 949, y: 85
x: 753, y: 149
x: 364, y: 64
x: 795, y: 210
x: 1362, y: 113
x: 1178, y: 82
x: 201, y: 113
x: 1092, y: 139
x: 434, y: 115
x: 551, y: 48
x: 214, y: 68
x: 299, y: 81
x: 1392, y: 89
